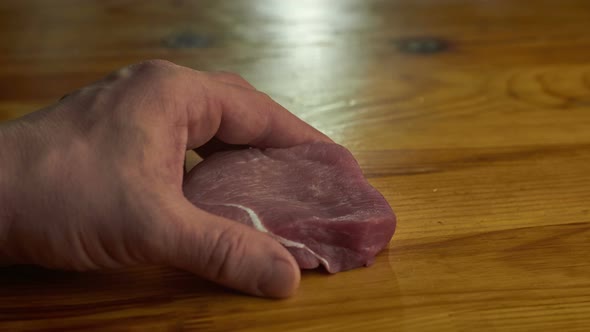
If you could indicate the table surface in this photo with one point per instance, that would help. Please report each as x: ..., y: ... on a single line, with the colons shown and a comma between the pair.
x: 471, y: 117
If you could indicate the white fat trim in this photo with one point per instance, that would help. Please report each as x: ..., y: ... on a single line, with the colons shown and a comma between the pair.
x: 287, y: 243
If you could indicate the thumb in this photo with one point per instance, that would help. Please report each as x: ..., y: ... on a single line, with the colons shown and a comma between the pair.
x: 227, y: 253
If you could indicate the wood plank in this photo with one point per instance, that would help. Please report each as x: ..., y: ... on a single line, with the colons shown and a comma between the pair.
x: 471, y: 117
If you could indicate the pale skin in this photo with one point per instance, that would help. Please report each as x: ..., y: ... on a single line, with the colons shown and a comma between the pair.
x: 95, y: 180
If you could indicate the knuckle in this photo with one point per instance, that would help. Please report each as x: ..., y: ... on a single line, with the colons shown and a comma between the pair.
x: 156, y: 70
x: 149, y: 67
x: 226, y: 255
x: 163, y: 86
x: 159, y: 76
x: 153, y: 64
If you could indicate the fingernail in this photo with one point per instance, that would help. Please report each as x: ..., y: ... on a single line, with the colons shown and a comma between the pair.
x: 281, y: 281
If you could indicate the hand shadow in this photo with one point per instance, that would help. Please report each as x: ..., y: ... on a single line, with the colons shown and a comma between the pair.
x: 34, y: 293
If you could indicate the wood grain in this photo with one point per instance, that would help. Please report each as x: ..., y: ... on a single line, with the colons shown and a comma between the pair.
x: 471, y: 117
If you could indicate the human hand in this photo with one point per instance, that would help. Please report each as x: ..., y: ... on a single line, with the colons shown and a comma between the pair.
x: 95, y: 180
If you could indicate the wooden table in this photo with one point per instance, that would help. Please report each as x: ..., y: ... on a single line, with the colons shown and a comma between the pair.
x: 471, y: 117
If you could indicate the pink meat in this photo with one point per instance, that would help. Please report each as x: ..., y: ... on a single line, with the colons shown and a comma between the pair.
x: 311, y: 198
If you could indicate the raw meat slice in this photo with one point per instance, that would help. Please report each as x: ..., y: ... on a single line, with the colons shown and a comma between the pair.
x: 312, y: 198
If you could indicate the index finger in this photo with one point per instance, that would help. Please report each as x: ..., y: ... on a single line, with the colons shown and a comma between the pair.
x: 236, y: 115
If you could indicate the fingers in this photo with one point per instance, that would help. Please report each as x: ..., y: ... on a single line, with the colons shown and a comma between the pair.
x: 227, y: 253
x: 237, y: 115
